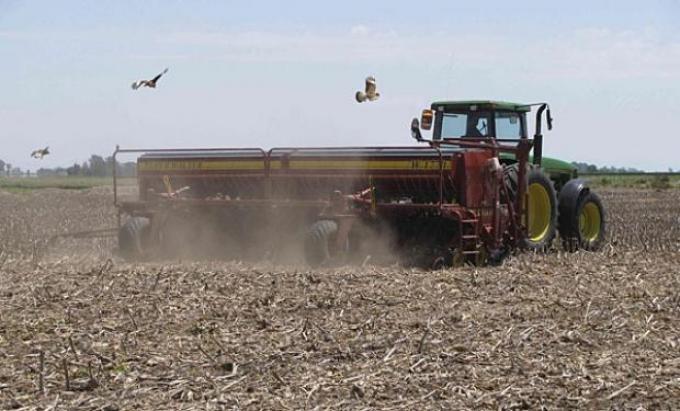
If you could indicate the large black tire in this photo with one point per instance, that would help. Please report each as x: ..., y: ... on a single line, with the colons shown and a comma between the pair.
x: 317, y: 242
x: 511, y: 178
x: 584, y: 226
x: 133, y: 238
x: 542, y: 204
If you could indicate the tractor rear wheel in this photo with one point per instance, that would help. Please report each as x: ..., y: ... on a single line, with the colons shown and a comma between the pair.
x: 541, y: 203
x: 132, y: 238
x: 583, y: 227
x: 317, y: 243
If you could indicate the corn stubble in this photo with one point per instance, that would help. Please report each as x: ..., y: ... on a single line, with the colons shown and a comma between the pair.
x: 82, y: 330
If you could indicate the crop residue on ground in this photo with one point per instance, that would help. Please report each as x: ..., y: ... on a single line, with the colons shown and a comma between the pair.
x: 80, y: 329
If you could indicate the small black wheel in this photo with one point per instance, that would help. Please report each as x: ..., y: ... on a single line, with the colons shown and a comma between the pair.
x: 585, y: 226
x: 496, y: 257
x: 317, y: 243
x: 133, y: 237
x: 542, y: 206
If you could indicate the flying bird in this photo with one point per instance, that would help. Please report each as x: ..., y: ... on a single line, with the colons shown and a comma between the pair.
x: 370, y: 92
x: 148, y: 83
x: 40, y: 153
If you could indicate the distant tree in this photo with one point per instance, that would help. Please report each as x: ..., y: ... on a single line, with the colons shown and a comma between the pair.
x: 85, y: 169
x: 97, y: 166
x: 59, y: 171
x: 128, y: 169
x: 74, y: 170
x: 592, y: 168
x: 585, y: 167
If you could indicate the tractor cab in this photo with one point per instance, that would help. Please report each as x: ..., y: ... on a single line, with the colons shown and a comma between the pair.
x: 498, y: 120
x: 478, y: 119
x: 482, y: 120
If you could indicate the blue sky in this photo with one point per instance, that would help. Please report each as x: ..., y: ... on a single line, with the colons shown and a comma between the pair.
x: 265, y: 73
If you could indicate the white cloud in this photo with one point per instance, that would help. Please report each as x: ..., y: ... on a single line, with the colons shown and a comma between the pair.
x: 585, y: 54
x: 359, y: 30
x: 19, y: 35
x: 308, y: 47
x: 603, y: 53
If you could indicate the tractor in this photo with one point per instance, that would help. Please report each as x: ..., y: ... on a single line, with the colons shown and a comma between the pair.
x: 474, y: 192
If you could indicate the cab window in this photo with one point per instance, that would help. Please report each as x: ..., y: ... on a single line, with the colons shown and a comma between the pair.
x: 508, y: 125
x: 471, y: 124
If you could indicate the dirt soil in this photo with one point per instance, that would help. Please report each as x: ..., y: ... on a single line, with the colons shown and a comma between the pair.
x: 80, y: 329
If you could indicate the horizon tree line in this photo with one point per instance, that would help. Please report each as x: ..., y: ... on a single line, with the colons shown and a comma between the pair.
x: 96, y: 166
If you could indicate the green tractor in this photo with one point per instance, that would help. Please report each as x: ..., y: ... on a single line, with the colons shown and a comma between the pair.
x: 557, y: 200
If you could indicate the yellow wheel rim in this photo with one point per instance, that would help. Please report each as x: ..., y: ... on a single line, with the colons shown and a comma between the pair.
x: 540, y: 211
x: 590, y: 222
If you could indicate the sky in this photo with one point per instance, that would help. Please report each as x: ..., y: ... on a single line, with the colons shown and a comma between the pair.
x: 272, y: 73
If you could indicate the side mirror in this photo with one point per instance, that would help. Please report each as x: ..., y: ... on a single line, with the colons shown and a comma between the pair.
x: 426, y: 119
x: 415, y: 130
x: 549, y: 118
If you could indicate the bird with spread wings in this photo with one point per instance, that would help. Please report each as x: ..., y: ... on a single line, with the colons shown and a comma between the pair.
x: 370, y: 92
x: 40, y: 153
x: 148, y: 83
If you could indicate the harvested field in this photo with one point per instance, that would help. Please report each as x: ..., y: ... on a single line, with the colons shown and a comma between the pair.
x: 80, y: 329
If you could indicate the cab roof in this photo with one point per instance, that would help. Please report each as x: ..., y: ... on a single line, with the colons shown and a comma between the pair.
x: 481, y: 104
